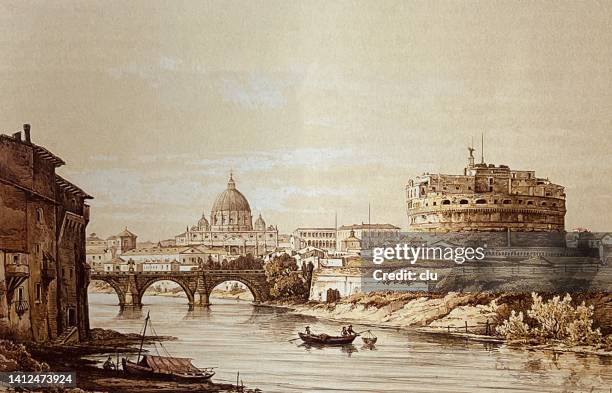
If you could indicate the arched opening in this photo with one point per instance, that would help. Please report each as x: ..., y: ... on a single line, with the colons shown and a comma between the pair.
x: 463, y: 202
x: 446, y: 202
x: 164, y: 291
x: 103, y: 292
x: 232, y: 291
x: 480, y: 201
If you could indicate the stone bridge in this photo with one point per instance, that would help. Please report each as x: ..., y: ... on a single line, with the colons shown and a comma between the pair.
x: 131, y: 286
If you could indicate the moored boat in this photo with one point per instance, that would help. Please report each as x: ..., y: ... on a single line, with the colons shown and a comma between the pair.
x: 165, y: 367
x: 325, y: 339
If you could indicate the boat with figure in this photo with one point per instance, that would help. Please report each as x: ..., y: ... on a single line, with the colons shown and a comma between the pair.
x: 165, y: 367
x: 326, y: 339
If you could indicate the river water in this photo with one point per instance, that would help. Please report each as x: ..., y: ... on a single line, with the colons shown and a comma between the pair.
x: 237, y: 336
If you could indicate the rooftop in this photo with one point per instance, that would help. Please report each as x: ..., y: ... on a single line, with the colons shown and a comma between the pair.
x: 368, y: 226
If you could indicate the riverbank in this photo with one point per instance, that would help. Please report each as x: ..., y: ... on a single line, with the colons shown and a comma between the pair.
x: 472, y: 316
x: 90, y: 377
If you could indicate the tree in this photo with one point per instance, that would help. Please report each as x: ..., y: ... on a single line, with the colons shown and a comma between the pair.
x: 286, y: 279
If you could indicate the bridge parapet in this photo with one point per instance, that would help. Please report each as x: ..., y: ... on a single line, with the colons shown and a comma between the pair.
x: 131, y: 286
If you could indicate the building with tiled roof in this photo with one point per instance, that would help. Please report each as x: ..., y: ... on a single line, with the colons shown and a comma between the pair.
x: 43, y: 217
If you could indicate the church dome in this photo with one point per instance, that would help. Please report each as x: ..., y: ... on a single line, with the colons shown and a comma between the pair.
x: 203, y: 224
x: 260, y: 224
x: 231, y: 210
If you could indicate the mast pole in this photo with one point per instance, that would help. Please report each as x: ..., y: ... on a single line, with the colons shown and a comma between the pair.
x: 144, y: 331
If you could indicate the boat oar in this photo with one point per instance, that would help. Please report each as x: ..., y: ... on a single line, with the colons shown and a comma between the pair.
x: 293, y: 339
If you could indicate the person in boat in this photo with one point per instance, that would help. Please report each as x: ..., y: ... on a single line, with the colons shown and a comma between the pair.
x: 109, y: 365
x: 350, y: 330
x: 308, y: 330
x: 344, y: 331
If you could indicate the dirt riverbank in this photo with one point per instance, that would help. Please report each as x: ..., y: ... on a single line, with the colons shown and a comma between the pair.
x: 473, y: 316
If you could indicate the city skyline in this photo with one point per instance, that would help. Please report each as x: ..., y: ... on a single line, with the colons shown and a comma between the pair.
x: 318, y: 108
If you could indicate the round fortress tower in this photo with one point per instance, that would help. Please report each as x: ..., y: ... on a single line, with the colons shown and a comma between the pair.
x: 485, y: 198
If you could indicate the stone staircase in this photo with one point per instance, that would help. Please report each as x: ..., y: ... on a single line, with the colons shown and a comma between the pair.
x: 70, y: 335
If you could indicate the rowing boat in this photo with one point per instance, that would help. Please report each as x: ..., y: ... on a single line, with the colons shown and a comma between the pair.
x: 325, y: 339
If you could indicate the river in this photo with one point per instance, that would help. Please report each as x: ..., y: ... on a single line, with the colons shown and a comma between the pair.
x: 237, y: 336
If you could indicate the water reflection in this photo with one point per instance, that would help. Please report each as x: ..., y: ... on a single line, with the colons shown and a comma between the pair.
x: 347, y: 349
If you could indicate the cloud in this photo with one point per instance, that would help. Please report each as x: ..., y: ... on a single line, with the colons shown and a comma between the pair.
x: 153, y: 72
x: 255, y: 91
x: 300, y: 158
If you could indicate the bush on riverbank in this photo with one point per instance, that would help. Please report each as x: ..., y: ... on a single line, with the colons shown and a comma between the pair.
x: 556, y: 319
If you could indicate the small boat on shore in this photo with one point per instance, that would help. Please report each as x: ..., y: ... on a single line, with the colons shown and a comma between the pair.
x: 325, y: 339
x: 165, y: 367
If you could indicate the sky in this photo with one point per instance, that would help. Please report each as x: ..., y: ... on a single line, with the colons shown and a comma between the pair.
x: 319, y: 108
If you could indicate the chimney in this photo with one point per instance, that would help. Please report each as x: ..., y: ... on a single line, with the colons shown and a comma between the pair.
x: 26, y: 131
x: 17, y: 136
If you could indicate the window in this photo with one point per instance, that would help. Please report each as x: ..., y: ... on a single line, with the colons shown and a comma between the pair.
x: 38, y: 292
x: 16, y: 259
x: 39, y: 215
x: 446, y: 202
x: 480, y: 201
x: 463, y: 202
x: 507, y: 201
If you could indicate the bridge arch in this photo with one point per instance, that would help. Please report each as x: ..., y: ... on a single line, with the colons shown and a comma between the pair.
x: 258, y: 293
x: 184, y: 286
x: 114, y: 284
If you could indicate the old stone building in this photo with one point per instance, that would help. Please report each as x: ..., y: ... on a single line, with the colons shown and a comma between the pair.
x: 320, y: 237
x: 333, y: 239
x: 99, y: 251
x: 231, y: 227
x: 366, y: 233
x: 96, y: 252
x: 43, y: 274
x: 485, y: 198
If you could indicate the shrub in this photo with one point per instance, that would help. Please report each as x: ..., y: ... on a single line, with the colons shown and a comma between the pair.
x: 556, y: 319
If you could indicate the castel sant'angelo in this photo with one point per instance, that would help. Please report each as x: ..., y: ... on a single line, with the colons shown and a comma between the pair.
x: 485, y: 198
